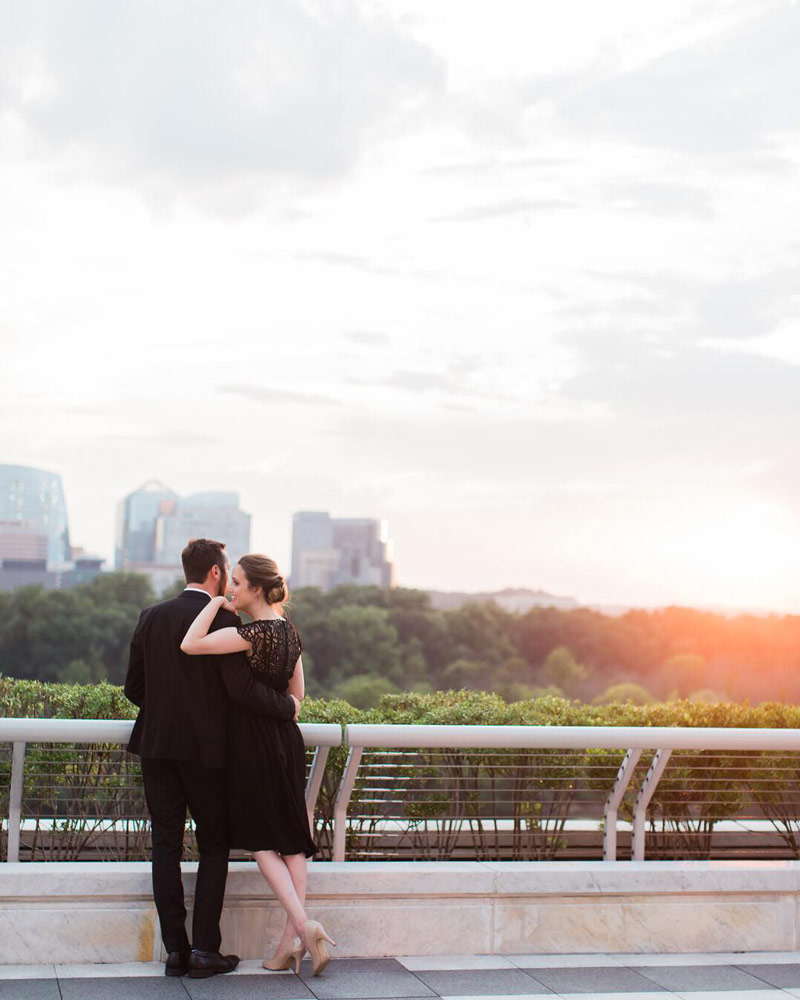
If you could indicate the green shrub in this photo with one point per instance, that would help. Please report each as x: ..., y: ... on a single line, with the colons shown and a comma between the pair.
x: 462, y: 789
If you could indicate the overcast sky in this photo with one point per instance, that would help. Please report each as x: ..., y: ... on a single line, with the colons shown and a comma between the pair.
x: 519, y: 277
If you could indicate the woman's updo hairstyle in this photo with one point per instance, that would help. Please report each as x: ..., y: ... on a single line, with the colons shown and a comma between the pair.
x: 263, y: 572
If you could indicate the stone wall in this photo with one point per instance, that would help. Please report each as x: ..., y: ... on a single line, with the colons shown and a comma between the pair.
x: 103, y: 912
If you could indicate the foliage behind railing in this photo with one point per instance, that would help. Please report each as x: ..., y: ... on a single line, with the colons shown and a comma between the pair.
x: 455, y: 792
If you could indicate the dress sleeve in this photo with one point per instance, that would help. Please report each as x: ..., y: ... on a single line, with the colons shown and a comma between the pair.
x: 297, y: 640
x: 249, y: 631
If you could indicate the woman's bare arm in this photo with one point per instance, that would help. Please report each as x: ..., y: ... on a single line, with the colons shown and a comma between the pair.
x: 226, y: 640
x: 297, y: 684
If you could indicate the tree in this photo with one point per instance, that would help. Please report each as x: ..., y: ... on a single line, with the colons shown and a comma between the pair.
x: 562, y: 670
x: 469, y: 674
x: 364, y: 690
x: 350, y: 640
x: 707, y: 695
x: 682, y: 674
x: 77, y: 672
x: 480, y: 632
x: 427, y: 632
x: 175, y: 588
x: 634, y: 694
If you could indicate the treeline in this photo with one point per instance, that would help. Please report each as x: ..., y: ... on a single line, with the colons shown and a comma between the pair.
x: 362, y: 642
x: 77, y: 636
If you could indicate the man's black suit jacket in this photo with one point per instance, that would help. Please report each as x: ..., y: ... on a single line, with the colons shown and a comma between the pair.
x: 183, y: 700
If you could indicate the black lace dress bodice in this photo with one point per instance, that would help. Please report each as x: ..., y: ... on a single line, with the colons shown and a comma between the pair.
x: 267, y: 756
x: 276, y: 647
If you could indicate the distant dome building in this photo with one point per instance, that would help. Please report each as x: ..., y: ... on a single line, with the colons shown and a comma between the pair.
x: 33, y: 516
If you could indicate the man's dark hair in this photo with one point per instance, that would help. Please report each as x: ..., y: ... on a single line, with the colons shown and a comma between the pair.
x: 199, y: 556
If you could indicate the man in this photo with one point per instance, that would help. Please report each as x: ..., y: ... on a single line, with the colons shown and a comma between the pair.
x: 180, y: 734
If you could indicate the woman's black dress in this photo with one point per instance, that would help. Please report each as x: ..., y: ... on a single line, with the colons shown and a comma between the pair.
x: 266, y: 756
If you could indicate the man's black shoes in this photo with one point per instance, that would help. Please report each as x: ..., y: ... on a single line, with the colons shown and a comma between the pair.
x: 177, y: 963
x: 203, y: 964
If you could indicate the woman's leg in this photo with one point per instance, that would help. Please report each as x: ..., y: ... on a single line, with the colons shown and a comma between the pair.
x: 296, y: 863
x: 280, y: 873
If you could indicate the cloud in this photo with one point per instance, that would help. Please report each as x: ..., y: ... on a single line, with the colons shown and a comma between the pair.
x: 170, y: 439
x: 667, y: 199
x: 267, y: 395
x: 335, y: 258
x: 471, y: 449
x: 675, y: 307
x: 746, y: 307
x: 737, y: 91
x: 495, y: 164
x: 194, y: 91
x: 515, y: 207
x: 369, y: 337
x: 420, y: 381
x: 455, y: 381
x: 637, y: 377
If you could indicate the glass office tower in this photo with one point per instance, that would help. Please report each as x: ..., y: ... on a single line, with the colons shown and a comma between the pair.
x: 36, y: 497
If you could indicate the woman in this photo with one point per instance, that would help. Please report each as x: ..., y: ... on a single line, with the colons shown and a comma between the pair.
x: 266, y: 757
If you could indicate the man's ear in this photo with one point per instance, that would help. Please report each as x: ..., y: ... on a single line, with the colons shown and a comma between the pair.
x: 215, y: 572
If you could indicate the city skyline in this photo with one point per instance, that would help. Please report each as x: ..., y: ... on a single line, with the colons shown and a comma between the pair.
x: 519, y: 595
x: 519, y: 280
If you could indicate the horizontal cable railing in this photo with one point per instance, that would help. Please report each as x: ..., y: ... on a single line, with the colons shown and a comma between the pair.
x: 544, y: 792
x: 70, y: 791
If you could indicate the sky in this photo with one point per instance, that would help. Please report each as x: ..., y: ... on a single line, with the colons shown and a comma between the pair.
x: 519, y: 277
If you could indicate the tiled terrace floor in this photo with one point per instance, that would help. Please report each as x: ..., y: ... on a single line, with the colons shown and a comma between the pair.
x: 634, y: 977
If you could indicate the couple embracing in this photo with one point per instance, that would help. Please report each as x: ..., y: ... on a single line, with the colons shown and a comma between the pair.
x: 217, y: 733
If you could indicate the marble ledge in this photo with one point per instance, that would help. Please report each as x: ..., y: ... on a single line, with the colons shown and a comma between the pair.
x: 131, y: 880
x: 103, y: 912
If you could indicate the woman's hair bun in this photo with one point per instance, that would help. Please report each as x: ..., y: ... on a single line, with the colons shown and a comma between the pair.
x: 261, y: 571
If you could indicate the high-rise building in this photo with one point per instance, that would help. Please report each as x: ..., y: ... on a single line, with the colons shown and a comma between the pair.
x: 329, y: 551
x: 33, y: 515
x: 154, y: 524
x: 85, y: 567
x: 21, y: 540
x: 34, y: 536
x: 136, y: 519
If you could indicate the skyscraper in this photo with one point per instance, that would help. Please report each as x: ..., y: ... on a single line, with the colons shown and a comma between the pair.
x: 136, y: 519
x: 202, y: 515
x: 32, y: 504
x: 330, y: 551
x: 154, y: 524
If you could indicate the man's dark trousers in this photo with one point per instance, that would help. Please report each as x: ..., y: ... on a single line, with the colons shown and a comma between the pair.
x: 170, y: 786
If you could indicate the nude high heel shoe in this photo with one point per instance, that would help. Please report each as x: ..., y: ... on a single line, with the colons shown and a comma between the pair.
x: 283, y: 960
x: 316, y: 937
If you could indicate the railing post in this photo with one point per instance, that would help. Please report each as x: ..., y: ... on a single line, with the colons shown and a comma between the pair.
x: 15, y: 800
x: 315, y: 776
x: 649, y: 786
x: 343, y: 794
x: 624, y: 775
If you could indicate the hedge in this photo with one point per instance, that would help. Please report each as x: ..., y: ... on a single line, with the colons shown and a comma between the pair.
x: 536, y: 789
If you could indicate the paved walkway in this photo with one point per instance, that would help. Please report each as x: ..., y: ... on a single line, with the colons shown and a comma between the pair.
x: 635, y: 977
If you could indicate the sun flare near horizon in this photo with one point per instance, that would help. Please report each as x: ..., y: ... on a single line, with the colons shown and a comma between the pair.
x: 735, y: 549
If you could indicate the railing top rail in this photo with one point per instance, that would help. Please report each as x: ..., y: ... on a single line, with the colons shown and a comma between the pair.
x: 119, y: 731
x: 571, y: 737
x: 482, y: 737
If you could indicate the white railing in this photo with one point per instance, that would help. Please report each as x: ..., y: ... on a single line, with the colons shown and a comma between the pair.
x: 634, y: 739
x: 20, y: 732
x: 631, y: 742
